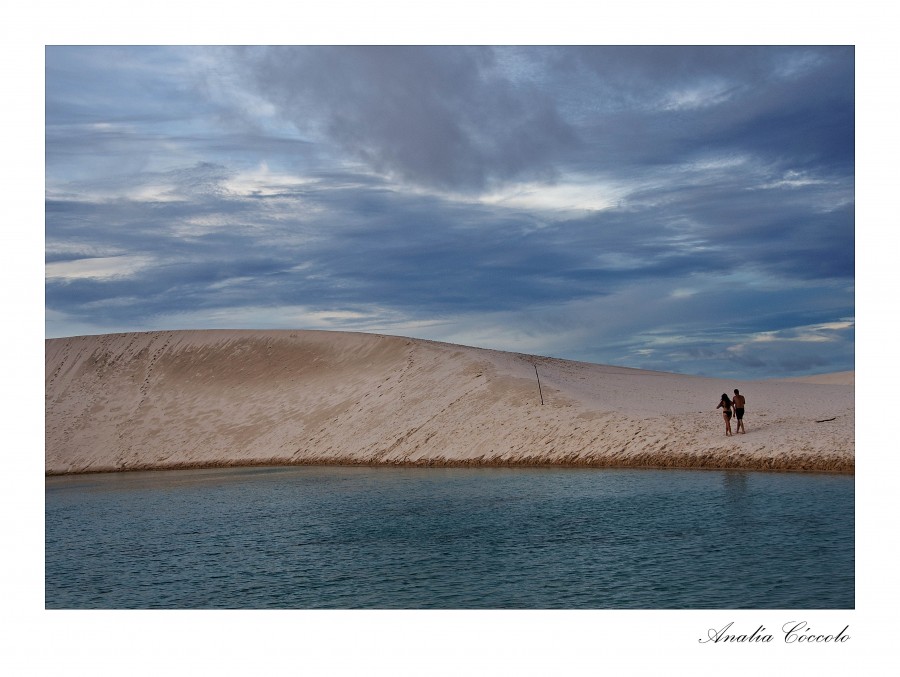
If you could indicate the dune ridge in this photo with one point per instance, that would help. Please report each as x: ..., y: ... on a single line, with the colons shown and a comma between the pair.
x: 214, y: 398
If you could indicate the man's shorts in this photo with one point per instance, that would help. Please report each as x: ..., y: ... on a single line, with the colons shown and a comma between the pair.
x: 739, y: 412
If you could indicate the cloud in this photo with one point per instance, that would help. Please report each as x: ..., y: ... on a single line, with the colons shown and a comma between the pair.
x: 654, y: 207
x: 351, y: 253
x: 644, y: 107
x: 440, y: 116
x: 96, y: 268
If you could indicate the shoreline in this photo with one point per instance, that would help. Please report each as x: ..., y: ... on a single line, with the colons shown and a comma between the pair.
x: 449, y: 464
x: 214, y: 398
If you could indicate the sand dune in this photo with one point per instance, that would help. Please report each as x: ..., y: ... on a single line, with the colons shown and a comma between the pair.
x: 183, y: 399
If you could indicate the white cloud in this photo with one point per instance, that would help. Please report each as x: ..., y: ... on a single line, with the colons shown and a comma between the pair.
x: 793, y: 179
x: 103, y: 267
x: 816, y: 333
x: 262, y: 181
x: 699, y: 96
x: 572, y: 195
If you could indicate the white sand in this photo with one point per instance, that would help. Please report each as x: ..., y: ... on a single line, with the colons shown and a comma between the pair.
x: 215, y: 398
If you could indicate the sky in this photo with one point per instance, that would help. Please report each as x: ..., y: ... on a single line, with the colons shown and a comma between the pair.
x: 684, y: 209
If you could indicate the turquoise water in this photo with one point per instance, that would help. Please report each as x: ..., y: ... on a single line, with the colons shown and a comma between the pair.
x: 410, y: 538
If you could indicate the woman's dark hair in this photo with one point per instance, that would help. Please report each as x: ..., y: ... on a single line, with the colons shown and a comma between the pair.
x: 725, y: 398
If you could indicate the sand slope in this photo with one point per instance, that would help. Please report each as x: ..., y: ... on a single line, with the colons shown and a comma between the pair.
x: 211, y: 398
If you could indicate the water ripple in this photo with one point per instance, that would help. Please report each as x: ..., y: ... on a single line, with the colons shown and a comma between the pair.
x: 450, y: 538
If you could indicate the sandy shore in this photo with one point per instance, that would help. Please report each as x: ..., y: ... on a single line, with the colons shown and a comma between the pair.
x: 183, y: 399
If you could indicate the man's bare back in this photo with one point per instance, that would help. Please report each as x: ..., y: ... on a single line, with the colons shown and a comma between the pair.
x: 738, y: 401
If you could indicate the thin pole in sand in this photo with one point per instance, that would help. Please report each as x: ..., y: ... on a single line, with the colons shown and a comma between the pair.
x: 539, y: 383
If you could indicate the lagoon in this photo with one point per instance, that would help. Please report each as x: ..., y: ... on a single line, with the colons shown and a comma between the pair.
x: 449, y: 538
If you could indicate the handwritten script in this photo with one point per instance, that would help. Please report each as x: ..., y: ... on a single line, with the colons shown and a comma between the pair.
x: 792, y: 632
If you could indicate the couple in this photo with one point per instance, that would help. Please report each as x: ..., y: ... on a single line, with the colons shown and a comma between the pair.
x: 725, y: 404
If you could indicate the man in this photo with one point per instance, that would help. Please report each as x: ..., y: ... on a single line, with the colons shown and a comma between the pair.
x: 739, y: 410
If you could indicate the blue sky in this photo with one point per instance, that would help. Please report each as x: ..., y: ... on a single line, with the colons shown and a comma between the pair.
x: 685, y: 209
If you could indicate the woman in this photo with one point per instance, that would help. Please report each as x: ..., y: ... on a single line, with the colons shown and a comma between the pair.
x: 725, y: 404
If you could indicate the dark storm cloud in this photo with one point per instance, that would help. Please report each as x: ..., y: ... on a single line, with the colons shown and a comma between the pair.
x: 792, y: 106
x: 442, y: 116
x: 798, y: 232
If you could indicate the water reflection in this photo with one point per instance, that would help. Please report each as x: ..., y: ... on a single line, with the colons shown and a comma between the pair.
x: 737, y: 495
